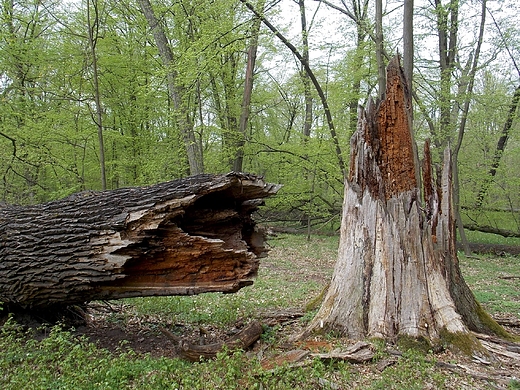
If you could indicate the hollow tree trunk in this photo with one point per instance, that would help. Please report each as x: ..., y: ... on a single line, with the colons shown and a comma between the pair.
x: 181, y: 237
x: 397, y: 272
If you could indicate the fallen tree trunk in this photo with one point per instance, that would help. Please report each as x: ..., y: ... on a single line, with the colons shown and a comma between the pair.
x: 182, y: 237
x: 492, y: 230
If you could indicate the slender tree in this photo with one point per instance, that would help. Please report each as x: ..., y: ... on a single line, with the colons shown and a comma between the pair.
x: 408, y: 45
x: 314, y: 80
x: 307, y: 124
x: 381, y: 74
x: 93, y: 33
x: 238, y: 162
x: 193, y: 149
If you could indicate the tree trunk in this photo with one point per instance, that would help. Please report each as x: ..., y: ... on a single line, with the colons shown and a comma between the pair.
x: 397, y: 272
x: 248, y: 92
x: 381, y: 77
x: 307, y: 124
x: 312, y: 76
x: 92, y: 41
x: 408, y: 46
x: 181, y: 237
x: 175, y: 90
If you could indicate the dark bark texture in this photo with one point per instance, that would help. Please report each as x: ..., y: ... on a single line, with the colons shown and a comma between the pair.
x: 181, y: 237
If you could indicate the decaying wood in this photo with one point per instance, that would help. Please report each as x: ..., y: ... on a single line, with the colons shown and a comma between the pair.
x: 361, y: 352
x: 499, y: 377
x: 277, y: 317
x: 509, y: 348
x: 182, y: 237
x: 292, y: 358
x: 242, y: 340
x: 511, y: 322
x: 397, y: 273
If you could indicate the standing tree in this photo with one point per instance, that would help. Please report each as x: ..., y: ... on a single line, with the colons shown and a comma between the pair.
x: 397, y: 273
x: 175, y: 89
x: 93, y: 35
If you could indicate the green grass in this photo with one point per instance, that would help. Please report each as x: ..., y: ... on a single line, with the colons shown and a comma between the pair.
x: 407, y: 371
x: 295, y: 272
x: 495, y: 282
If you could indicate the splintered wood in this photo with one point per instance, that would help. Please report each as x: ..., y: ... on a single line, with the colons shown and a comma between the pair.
x: 183, y: 237
x: 385, y: 129
x: 397, y: 273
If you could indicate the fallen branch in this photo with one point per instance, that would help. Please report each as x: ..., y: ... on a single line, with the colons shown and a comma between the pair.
x: 360, y: 352
x: 512, y: 322
x: 281, y: 316
x: 491, y: 229
x: 242, y: 340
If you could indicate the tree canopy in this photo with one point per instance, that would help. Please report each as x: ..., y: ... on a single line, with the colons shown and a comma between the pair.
x: 93, y: 96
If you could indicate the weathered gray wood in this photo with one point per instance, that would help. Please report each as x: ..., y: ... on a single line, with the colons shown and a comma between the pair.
x: 182, y: 237
x: 397, y: 272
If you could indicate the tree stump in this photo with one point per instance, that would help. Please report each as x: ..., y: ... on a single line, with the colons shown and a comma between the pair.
x: 397, y: 273
x: 182, y: 237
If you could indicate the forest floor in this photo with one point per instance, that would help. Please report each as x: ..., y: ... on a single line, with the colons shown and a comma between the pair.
x: 142, y: 333
x: 295, y: 273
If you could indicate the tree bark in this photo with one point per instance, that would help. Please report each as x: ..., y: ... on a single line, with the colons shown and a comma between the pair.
x: 397, y: 273
x: 408, y: 46
x: 381, y: 76
x: 194, y: 353
x: 248, y: 92
x: 181, y: 237
x: 307, y: 124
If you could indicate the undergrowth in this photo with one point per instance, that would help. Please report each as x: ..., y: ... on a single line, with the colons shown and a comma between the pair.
x: 295, y: 272
x: 63, y: 361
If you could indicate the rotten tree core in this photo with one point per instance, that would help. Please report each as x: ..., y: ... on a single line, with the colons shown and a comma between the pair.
x: 182, y: 237
x: 385, y: 129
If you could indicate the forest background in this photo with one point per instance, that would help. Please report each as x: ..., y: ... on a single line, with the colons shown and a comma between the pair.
x: 102, y: 94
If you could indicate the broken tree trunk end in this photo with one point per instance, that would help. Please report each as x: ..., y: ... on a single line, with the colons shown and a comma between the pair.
x: 182, y: 237
x: 397, y: 274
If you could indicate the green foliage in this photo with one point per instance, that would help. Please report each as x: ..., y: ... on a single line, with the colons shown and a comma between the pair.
x: 496, y: 292
x: 65, y: 362
x: 414, y: 371
x: 62, y: 361
x: 48, y: 135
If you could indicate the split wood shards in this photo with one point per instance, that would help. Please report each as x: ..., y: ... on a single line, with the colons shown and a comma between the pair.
x: 181, y: 237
